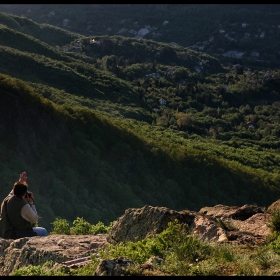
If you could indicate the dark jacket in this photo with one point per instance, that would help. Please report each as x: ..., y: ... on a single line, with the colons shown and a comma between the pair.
x: 14, y: 206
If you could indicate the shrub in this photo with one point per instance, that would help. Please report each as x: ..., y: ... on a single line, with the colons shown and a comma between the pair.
x: 80, y: 227
x: 274, y: 223
x: 60, y: 226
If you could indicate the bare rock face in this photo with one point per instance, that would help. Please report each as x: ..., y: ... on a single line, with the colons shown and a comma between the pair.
x: 37, y: 250
x: 234, y: 212
x: 274, y: 207
x: 207, y: 229
x: 243, y: 225
x: 139, y: 223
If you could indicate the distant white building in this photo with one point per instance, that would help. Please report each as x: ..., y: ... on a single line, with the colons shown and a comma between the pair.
x: 122, y: 30
x: 50, y: 14
x: 65, y: 22
x: 235, y: 54
x: 165, y: 22
x: 142, y: 32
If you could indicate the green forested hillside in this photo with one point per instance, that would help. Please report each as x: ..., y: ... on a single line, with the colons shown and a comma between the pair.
x: 104, y: 123
x: 211, y: 28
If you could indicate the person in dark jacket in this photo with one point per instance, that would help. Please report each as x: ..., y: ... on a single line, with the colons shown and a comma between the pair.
x: 20, y: 211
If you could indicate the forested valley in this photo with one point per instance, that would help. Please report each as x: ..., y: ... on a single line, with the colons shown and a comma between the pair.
x: 102, y: 123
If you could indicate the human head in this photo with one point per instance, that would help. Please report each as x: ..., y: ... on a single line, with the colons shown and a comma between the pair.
x: 20, y: 188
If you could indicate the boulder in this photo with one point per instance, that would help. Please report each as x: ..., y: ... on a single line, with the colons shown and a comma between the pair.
x: 207, y: 229
x: 234, y: 212
x: 274, y: 207
x: 139, y: 223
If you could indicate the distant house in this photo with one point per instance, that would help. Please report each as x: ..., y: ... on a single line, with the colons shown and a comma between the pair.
x: 244, y: 24
x: 238, y: 68
x: 142, y: 32
x: 268, y: 74
x: 255, y: 53
x: 222, y: 31
x: 94, y: 42
x: 155, y: 76
x: 122, y: 30
x: 246, y: 35
x: 165, y: 22
x: 156, y: 34
x: 132, y: 31
x: 157, y: 54
x: 50, y: 14
x: 78, y: 44
x: 169, y: 72
x: 235, y: 54
x: 198, y: 69
x: 65, y: 22
x: 162, y: 101
x: 65, y: 49
x: 250, y: 124
x: 262, y: 35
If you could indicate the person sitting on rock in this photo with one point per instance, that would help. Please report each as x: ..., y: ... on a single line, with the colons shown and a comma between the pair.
x: 18, y: 213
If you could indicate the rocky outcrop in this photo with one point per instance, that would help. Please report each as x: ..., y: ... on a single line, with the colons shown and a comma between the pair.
x: 37, y: 250
x: 274, y: 207
x: 210, y: 223
x: 138, y: 223
x: 220, y: 223
x: 234, y: 212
